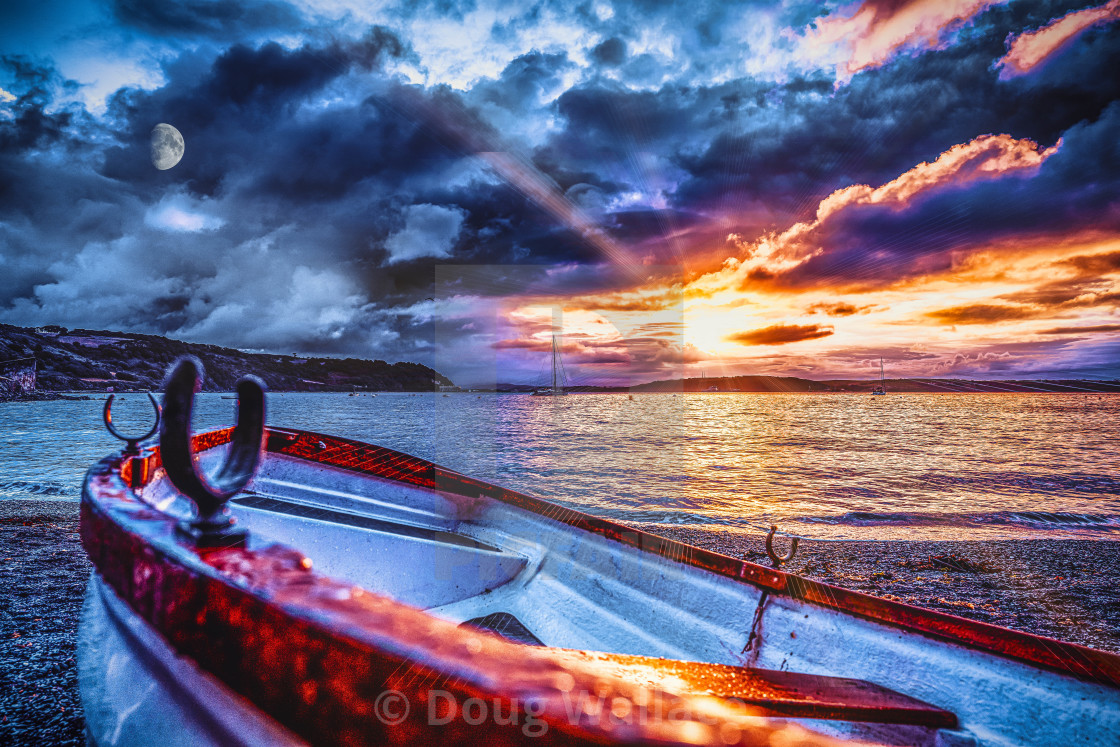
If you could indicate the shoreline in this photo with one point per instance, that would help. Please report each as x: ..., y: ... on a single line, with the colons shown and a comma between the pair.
x: 1062, y: 589
x: 79, y: 395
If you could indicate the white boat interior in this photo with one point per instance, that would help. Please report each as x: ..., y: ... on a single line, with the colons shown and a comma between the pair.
x: 533, y: 577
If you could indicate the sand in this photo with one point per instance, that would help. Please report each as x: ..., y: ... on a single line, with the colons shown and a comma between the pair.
x: 1064, y: 589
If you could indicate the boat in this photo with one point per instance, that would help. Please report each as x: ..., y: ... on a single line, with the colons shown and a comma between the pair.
x: 882, y: 388
x: 559, y: 377
x: 267, y: 585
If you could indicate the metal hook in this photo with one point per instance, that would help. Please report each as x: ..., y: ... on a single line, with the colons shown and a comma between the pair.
x: 214, y: 525
x: 132, y: 443
x: 775, y: 558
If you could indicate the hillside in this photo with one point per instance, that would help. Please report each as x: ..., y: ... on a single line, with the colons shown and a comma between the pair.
x: 734, y: 384
x: 89, y: 360
x: 896, y: 386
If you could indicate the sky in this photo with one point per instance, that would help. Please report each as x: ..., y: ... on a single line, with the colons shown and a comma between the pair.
x: 674, y: 188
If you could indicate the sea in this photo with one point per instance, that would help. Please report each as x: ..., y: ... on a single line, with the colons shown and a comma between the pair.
x: 828, y: 466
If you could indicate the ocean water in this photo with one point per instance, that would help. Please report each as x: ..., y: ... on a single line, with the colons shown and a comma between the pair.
x: 904, y: 466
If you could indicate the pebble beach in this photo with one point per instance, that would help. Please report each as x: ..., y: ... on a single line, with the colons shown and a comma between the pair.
x: 1058, y: 588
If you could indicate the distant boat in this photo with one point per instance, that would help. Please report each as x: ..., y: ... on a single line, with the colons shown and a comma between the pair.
x: 882, y: 388
x: 559, y: 379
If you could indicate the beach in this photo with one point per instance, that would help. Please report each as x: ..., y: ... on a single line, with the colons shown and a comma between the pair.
x: 43, y: 572
x: 1064, y: 589
x: 1059, y: 588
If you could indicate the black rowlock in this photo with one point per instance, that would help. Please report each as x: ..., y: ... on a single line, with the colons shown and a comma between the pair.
x: 214, y: 526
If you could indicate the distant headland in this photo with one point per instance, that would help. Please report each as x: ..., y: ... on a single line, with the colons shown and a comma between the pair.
x: 40, y: 363
x: 793, y: 384
x: 34, y: 363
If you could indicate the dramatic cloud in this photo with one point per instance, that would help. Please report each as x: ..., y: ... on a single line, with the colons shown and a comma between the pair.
x: 429, y: 231
x: 1031, y: 49
x: 780, y: 334
x: 688, y: 184
x: 876, y: 30
x: 986, y: 158
x: 837, y: 309
x: 982, y: 314
x: 1082, y: 330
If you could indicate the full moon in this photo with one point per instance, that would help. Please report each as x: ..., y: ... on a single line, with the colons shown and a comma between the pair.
x: 167, y: 146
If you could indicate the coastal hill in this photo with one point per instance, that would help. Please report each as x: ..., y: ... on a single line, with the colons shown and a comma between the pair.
x: 89, y: 360
x: 734, y: 384
x: 793, y: 384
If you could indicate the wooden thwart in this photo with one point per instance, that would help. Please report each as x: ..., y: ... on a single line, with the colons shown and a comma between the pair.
x: 768, y: 692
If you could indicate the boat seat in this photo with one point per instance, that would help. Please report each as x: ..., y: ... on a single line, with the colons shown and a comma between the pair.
x: 771, y: 692
x: 768, y: 692
x: 505, y: 625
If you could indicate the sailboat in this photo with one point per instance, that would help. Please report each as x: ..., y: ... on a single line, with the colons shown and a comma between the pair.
x: 882, y: 388
x: 558, y: 377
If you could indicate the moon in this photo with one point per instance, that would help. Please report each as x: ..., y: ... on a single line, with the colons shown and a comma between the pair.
x: 167, y: 146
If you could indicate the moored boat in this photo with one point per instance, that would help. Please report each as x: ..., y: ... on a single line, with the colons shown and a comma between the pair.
x: 882, y: 387
x: 559, y: 376
x: 366, y: 596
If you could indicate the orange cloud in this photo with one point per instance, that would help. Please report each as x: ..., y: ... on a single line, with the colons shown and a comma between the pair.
x: 1081, y: 330
x: 780, y: 334
x: 1029, y: 50
x: 838, y: 309
x: 986, y: 157
x: 876, y: 30
x: 982, y: 313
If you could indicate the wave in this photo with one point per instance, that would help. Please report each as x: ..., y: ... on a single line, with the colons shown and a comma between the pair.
x: 1042, y: 520
x: 21, y: 488
x: 1018, y: 482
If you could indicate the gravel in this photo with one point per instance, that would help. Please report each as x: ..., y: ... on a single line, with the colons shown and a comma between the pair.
x: 43, y: 572
x: 1063, y: 589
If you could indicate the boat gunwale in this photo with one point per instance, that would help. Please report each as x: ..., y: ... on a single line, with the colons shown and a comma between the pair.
x: 258, y: 617
x: 1070, y: 659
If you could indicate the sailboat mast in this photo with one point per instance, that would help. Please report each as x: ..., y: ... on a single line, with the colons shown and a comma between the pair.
x: 882, y: 379
x: 554, y: 361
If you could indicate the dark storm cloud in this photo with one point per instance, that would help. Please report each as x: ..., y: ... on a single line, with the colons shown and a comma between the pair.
x: 1076, y: 189
x: 610, y: 53
x: 522, y: 81
x: 322, y: 193
x: 31, y: 125
x: 301, y: 217
x: 268, y: 212
x: 214, y: 19
x: 765, y: 154
x: 780, y: 334
x: 43, y: 199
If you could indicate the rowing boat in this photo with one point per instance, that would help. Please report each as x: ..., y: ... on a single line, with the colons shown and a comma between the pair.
x: 265, y: 585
